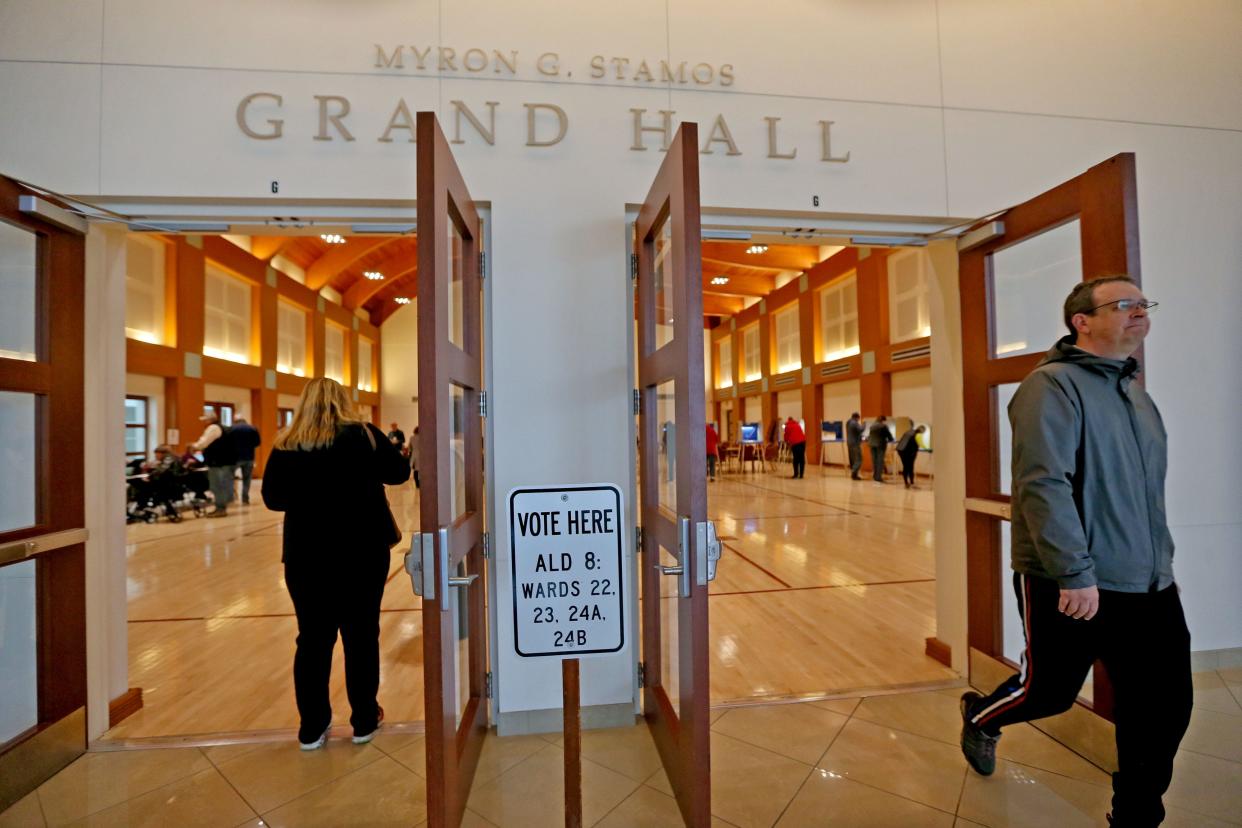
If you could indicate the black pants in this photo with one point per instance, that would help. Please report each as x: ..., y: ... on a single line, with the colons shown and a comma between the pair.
x: 907, y: 465
x: 799, y: 458
x: 330, y: 595
x: 1144, y: 644
x: 855, y: 451
x: 877, y: 463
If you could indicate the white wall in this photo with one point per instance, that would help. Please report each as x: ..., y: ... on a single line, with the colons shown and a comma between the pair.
x: 960, y: 114
x: 841, y: 399
x: 789, y: 404
x: 399, y: 369
x: 151, y: 387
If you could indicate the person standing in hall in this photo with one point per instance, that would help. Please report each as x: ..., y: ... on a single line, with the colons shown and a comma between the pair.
x: 796, y: 440
x: 397, y: 437
x: 713, y: 449
x: 1092, y: 554
x: 245, y: 439
x: 908, y: 451
x: 220, y: 457
x: 414, y: 457
x: 878, y: 439
x: 327, y: 473
x: 853, y: 444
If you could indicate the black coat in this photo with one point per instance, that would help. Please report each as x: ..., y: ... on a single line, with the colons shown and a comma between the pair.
x: 333, y: 498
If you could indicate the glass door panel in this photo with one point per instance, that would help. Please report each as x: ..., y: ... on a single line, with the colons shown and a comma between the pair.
x: 42, y: 508
x: 677, y: 540
x: 451, y: 468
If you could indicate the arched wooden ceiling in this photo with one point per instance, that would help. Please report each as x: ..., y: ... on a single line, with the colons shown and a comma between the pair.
x: 750, y: 275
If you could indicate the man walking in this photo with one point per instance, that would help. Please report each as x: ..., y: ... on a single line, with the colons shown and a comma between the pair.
x: 245, y: 440
x: 1092, y: 553
x: 879, y: 438
x: 853, y: 444
x: 220, y: 458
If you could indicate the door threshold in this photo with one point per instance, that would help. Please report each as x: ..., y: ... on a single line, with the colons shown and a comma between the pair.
x: 847, y: 693
x: 235, y: 737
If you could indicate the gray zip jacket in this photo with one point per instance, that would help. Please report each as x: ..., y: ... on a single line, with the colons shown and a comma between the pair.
x: 1089, y: 459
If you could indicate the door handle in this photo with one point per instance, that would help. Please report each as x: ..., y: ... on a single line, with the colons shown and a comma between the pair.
x: 707, y: 551
x: 682, y: 570
x: 464, y: 581
x: 420, y: 565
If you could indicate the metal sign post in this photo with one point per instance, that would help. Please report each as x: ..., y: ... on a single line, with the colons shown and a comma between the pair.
x: 567, y: 561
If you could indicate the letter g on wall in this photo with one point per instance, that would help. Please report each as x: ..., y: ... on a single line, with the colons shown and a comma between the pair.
x: 277, y: 124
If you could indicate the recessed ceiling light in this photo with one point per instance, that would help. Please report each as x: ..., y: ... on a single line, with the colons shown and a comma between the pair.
x: 332, y: 238
x: 373, y: 275
x: 757, y: 248
x: 402, y: 300
x: 720, y: 280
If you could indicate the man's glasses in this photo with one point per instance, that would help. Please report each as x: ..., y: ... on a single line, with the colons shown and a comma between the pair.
x: 1126, y: 305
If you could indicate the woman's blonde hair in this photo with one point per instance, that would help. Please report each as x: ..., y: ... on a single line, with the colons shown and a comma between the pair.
x: 322, y: 409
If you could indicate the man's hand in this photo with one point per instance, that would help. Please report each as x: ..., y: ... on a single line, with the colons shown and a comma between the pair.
x: 1080, y: 603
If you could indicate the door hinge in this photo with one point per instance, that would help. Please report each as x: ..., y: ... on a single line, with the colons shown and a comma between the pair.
x: 482, y: 264
x: 482, y: 403
x: 638, y: 401
x: 487, y: 545
x: 633, y: 265
x: 487, y: 684
x: 642, y: 674
x: 638, y: 537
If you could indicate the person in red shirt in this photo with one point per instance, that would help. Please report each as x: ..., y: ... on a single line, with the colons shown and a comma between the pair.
x: 796, y: 441
x: 713, y: 444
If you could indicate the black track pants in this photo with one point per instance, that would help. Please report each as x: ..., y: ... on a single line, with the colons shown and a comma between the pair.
x: 330, y: 596
x: 1143, y: 642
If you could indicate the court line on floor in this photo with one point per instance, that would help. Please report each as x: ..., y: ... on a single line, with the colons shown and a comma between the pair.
x: 826, y: 586
x: 771, y: 575
x: 243, y: 617
x: 807, y: 499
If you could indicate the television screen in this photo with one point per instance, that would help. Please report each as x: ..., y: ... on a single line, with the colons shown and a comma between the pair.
x: 750, y: 432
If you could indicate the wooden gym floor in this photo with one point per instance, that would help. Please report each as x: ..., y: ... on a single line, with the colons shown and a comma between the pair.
x: 825, y: 587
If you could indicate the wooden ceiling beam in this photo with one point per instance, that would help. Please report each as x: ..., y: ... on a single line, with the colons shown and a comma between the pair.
x: 364, y: 290
x: 776, y: 257
x: 266, y: 248
x: 717, y: 305
x: 338, y: 257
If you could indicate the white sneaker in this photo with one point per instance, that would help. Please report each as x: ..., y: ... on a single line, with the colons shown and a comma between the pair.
x: 362, y: 740
x: 318, y: 743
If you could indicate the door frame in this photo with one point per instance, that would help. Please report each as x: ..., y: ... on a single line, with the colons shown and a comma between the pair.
x: 56, y: 541
x: 196, y: 216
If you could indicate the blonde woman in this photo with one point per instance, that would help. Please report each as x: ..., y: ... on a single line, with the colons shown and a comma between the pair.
x: 327, y: 473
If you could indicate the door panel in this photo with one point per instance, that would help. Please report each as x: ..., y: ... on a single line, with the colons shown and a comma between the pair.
x: 451, y: 464
x: 678, y: 544
x: 1012, y: 287
x: 42, y: 549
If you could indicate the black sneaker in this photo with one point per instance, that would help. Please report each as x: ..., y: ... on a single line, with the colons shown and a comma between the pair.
x: 978, y: 747
x: 363, y: 738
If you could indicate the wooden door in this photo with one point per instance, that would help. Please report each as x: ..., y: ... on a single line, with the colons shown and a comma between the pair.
x: 1015, y: 271
x: 450, y: 379
x: 679, y: 547
x: 42, y: 496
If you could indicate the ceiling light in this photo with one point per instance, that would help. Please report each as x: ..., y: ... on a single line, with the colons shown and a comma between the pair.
x: 402, y: 300
x: 373, y: 275
x: 332, y: 238
x: 720, y: 280
x: 757, y: 248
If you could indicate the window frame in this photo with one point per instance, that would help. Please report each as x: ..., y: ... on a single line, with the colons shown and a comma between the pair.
x: 144, y: 427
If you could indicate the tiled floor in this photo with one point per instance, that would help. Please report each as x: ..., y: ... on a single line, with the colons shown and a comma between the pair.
x: 883, y: 761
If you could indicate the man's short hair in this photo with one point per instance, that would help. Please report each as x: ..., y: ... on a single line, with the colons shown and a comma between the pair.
x: 1082, y: 299
x: 855, y: 414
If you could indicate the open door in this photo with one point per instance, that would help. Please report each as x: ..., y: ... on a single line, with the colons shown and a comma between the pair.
x: 42, y: 494
x: 1015, y: 272
x: 679, y: 546
x: 447, y: 558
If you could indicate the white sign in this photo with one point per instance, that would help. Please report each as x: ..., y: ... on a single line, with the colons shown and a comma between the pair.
x: 566, y: 552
